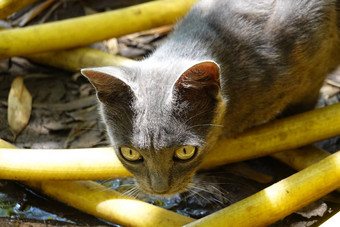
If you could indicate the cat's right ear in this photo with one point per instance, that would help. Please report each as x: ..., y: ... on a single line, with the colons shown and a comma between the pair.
x: 108, y: 87
x: 202, y: 79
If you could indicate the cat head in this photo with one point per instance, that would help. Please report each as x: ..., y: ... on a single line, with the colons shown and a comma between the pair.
x: 159, y: 121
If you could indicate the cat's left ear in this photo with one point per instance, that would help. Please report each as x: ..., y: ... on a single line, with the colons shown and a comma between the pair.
x: 199, y: 79
x: 109, y: 85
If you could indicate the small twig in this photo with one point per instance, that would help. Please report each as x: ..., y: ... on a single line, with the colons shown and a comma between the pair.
x: 331, y: 82
x: 50, y: 11
x: 27, y: 17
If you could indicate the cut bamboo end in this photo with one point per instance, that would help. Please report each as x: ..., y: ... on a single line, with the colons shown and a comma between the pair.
x: 110, y: 205
x: 280, y: 199
x: 85, y: 30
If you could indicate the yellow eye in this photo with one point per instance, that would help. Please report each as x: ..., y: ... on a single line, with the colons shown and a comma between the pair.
x: 130, y: 154
x: 185, y: 153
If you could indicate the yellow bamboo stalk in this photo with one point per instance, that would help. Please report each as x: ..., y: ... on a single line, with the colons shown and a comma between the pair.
x: 76, y: 59
x: 7, y: 7
x: 301, y: 158
x: 284, y: 134
x: 61, y: 164
x: 89, y: 29
x: 100, y: 201
x: 280, y: 199
x: 110, y: 205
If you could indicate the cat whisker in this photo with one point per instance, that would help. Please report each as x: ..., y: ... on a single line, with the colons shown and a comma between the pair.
x: 199, y: 195
x: 211, y: 189
x: 133, y: 192
x: 205, y: 125
x: 216, y: 194
x: 200, y: 187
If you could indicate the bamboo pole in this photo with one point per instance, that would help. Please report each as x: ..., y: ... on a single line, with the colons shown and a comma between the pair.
x: 98, y: 200
x: 301, y: 158
x: 85, y: 30
x: 279, y: 135
x: 76, y: 59
x: 61, y: 164
x: 82, y: 164
x: 110, y: 205
x: 280, y: 199
x: 7, y: 7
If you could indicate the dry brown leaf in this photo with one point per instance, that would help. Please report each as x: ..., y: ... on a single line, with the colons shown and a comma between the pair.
x: 19, y: 106
x: 30, y: 15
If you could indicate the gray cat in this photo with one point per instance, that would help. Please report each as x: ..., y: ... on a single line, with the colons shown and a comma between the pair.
x: 228, y: 65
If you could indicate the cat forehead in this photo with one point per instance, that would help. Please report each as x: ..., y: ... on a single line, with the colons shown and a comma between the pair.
x: 161, y: 69
x: 161, y: 132
x: 154, y: 71
x: 147, y: 76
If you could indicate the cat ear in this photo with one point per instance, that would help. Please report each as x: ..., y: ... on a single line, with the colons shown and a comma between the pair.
x: 108, y: 87
x: 200, y: 79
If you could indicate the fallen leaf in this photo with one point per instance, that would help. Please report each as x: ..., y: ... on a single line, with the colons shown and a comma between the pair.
x: 19, y: 106
x: 317, y: 208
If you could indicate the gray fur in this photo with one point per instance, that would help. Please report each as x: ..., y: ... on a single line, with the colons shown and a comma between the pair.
x: 273, y: 56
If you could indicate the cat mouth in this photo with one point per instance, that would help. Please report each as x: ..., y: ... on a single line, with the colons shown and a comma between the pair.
x: 167, y: 194
x: 171, y: 191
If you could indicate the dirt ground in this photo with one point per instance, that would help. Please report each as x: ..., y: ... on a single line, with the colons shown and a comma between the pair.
x: 64, y: 115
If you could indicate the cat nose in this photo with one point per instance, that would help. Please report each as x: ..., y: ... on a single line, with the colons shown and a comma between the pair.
x: 159, y: 184
x: 160, y: 188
